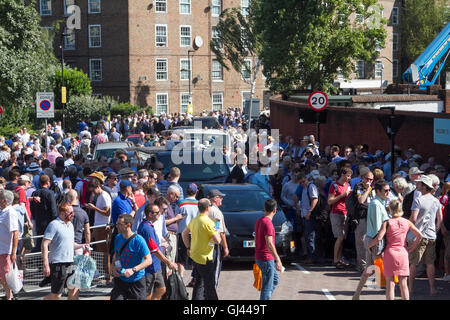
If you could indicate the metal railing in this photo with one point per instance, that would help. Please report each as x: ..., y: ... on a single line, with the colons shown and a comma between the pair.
x: 32, y: 265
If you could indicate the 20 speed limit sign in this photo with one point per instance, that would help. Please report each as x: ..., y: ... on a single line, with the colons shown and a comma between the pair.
x: 318, y: 100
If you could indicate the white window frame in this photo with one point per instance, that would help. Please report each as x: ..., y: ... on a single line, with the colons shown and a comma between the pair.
x: 184, y: 36
x: 395, y: 15
x: 378, y: 69
x: 360, y: 63
x: 69, y: 45
x: 65, y: 7
x: 99, y: 7
x: 160, y: 44
x: 161, y: 2
x: 395, y: 68
x: 91, y: 38
x: 189, y: 61
x: 166, y: 111
x: 166, y: 72
x: 185, y: 105
x: 91, y: 70
x: 244, y: 7
x: 243, y: 99
x: 184, y: 3
x: 216, y: 94
x: 214, y: 5
x: 247, y: 61
x: 217, y: 63
x: 395, y: 42
x: 48, y: 8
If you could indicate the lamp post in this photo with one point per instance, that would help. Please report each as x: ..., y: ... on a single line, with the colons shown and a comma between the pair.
x: 382, y: 67
x: 63, y: 88
x: 190, y: 74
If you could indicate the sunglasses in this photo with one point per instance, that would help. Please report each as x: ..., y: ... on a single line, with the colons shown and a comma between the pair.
x: 386, y: 190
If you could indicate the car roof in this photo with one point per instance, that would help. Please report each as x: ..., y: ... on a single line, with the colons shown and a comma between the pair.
x: 113, y: 145
x: 231, y: 186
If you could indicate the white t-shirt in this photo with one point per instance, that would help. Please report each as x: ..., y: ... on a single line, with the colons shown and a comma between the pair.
x: 103, y: 201
x: 9, y: 222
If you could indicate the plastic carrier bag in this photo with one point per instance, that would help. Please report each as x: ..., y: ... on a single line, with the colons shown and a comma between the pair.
x: 14, y: 279
x: 84, y: 271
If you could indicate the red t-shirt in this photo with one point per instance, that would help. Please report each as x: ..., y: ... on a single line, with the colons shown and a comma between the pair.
x: 336, y: 189
x: 263, y: 228
x: 23, y: 198
x: 140, y: 199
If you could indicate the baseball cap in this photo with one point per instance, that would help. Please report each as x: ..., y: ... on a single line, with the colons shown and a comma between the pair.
x: 111, y: 175
x: 126, y: 183
x: 25, y: 178
x: 33, y: 167
x: 215, y: 193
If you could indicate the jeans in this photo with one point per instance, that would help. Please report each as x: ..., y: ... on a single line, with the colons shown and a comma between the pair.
x: 205, y: 281
x: 310, y: 237
x: 269, y: 278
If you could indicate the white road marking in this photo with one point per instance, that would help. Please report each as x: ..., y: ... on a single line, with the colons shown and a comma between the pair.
x: 299, y: 267
x: 328, y: 294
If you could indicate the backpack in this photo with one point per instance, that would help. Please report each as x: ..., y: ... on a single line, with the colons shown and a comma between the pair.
x: 321, y: 211
x: 407, y: 204
x: 59, y: 196
x: 176, y: 289
x: 85, y: 146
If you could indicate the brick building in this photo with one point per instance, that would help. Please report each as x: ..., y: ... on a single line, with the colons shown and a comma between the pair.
x: 144, y: 52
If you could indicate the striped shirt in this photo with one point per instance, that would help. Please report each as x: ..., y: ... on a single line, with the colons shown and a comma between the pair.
x: 189, y: 209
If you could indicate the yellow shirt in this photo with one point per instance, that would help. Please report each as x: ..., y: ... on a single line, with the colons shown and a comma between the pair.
x: 202, y: 229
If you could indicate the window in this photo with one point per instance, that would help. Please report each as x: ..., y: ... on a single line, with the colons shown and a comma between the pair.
x: 162, y: 103
x: 246, y: 70
x: 395, y: 15
x: 95, y: 36
x: 244, y: 7
x: 395, y: 68
x: 217, y: 101
x: 46, y: 7
x: 378, y: 69
x: 217, y: 73
x: 245, y: 95
x: 360, y: 69
x: 161, y: 69
x: 69, y: 39
x: 185, y: 36
x: 185, y: 6
x: 216, y: 7
x: 185, y: 69
x: 161, y: 6
x: 94, y: 6
x: 215, y: 35
x: 395, y: 42
x: 161, y: 35
x: 184, y: 101
x: 95, y: 69
x: 67, y: 3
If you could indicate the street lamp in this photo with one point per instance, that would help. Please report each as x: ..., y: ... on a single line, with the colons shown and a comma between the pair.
x: 63, y: 88
x: 190, y: 74
x: 382, y: 67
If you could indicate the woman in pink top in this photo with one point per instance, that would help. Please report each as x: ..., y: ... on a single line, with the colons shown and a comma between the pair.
x: 395, y: 255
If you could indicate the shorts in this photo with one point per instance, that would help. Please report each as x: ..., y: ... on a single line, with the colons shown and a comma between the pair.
x: 447, y: 246
x: 5, y: 265
x: 339, y: 225
x: 128, y: 290
x: 425, y: 251
x: 182, y: 255
x: 59, y: 272
x: 154, y: 281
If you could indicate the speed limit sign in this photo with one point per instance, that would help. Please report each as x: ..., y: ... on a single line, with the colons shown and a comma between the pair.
x: 318, y: 100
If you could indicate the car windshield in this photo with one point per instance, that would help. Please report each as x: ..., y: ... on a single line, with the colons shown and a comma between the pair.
x: 109, y: 153
x: 195, y: 172
x: 243, y: 200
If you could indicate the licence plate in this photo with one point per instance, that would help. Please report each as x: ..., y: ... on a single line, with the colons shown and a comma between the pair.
x: 249, y: 244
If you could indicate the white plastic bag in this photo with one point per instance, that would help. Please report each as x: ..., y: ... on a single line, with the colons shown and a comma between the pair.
x: 14, y: 279
x: 85, y: 268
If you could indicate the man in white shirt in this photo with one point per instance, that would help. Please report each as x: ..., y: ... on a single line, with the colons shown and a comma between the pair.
x: 9, y: 237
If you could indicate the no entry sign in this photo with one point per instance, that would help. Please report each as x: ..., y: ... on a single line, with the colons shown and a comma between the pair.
x: 318, y: 100
x: 45, y: 105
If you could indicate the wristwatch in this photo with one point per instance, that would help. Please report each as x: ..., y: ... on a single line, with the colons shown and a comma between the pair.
x: 134, y: 269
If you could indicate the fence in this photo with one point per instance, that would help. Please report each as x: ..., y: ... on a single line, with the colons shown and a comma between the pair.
x: 32, y: 265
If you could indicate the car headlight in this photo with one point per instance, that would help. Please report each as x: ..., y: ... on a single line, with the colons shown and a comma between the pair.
x: 286, y: 227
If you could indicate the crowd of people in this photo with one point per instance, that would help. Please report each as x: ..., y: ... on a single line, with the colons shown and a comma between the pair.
x: 340, y: 200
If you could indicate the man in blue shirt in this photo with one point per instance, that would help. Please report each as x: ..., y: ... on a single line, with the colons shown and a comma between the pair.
x: 124, y: 203
x: 131, y: 257
x: 154, y: 278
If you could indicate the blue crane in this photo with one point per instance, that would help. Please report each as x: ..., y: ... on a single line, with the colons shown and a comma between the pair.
x: 421, y: 70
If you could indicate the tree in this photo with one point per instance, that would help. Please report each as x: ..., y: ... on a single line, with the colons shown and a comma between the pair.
x: 304, y: 44
x: 237, y: 43
x: 76, y: 81
x: 25, y: 60
x: 86, y: 107
x: 421, y: 22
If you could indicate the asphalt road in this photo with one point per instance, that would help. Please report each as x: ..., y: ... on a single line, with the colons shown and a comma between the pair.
x: 298, y: 282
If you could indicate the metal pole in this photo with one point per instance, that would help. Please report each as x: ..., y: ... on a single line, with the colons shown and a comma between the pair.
x: 391, y: 120
x: 62, y: 78
x: 318, y: 125
x: 46, y: 136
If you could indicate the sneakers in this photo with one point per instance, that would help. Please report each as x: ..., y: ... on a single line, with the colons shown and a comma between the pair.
x: 446, y: 278
x: 46, y: 281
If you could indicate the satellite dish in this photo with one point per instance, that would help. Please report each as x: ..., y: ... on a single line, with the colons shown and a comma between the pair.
x: 198, y: 41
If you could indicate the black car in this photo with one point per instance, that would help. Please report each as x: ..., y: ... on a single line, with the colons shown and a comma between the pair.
x: 209, y: 122
x: 242, y: 205
x: 195, y: 166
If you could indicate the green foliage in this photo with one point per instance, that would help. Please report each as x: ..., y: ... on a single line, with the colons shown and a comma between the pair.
x: 304, y: 45
x: 85, y: 107
x: 25, y: 60
x: 124, y: 109
x: 76, y: 81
